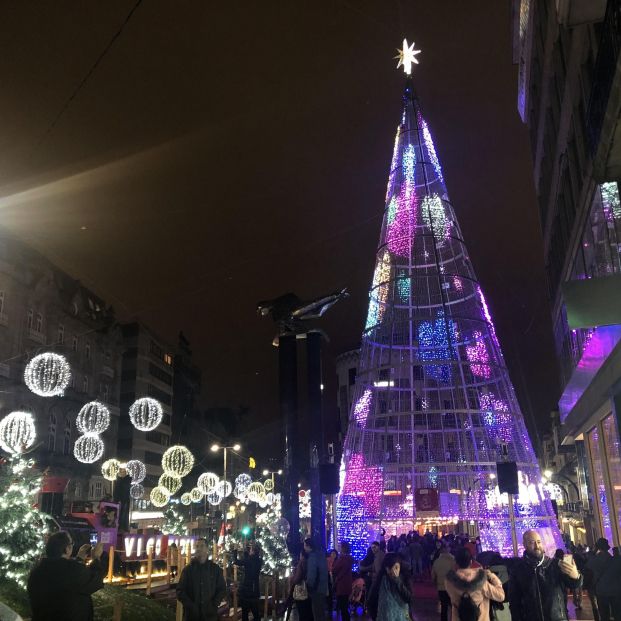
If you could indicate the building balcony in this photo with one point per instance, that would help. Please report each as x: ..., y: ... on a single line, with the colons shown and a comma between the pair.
x: 39, y: 337
x: 604, y: 110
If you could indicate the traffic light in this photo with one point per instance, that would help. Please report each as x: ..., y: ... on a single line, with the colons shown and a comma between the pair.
x: 246, y: 530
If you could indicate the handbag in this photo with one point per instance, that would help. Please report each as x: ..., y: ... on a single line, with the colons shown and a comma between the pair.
x: 300, y: 592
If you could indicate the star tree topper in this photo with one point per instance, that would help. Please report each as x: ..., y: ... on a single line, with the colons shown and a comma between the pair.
x: 407, y: 56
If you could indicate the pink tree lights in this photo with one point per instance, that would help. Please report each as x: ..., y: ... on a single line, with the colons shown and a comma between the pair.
x: 433, y: 401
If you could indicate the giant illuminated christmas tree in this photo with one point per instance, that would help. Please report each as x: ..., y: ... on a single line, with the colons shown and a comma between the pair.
x: 434, y: 408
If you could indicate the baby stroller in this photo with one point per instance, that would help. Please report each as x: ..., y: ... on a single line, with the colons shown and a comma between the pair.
x: 358, y: 595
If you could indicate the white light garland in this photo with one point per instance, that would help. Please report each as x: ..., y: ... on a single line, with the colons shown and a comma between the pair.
x: 177, y: 461
x: 170, y: 483
x: 88, y: 448
x: 255, y: 491
x: 207, y: 482
x: 186, y: 499
x: 196, y: 494
x: 136, y: 491
x: 224, y: 488
x: 94, y: 417
x: 48, y: 375
x: 17, y: 432
x: 110, y: 469
x: 137, y: 470
x: 146, y: 414
x: 159, y: 496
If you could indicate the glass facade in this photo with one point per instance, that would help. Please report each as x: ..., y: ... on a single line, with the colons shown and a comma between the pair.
x: 613, y: 463
x: 598, y: 254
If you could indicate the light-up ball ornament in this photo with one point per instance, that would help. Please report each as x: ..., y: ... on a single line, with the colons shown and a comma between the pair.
x: 146, y: 414
x: 224, y: 488
x: 172, y: 484
x: 269, y: 497
x: 137, y: 470
x: 177, y: 461
x: 94, y: 417
x: 268, y: 485
x: 110, y: 469
x: 136, y: 491
x: 48, y: 375
x: 255, y: 491
x: 214, y: 498
x: 196, y: 494
x: 243, y: 481
x: 186, y: 499
x: 88, y: 448
x: 17, y: 432
x: 159, y: 496
x: 207, y: 482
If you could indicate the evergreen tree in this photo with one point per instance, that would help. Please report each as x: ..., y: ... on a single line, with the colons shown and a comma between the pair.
x: 175, y: 522
x: 276, y: 557
x: 22, y: 525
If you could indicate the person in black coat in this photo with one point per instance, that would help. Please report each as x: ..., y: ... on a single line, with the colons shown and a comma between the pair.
x: 249, y: 590
x: 201, y: 587
x: 538, y: 583
x: 121, y: 495
x: 60, y: 587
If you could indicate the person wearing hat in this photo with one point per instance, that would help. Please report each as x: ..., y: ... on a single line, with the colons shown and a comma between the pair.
x: 606, y: 580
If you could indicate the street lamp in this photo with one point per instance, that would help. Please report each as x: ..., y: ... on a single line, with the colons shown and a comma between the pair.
x: 214, y: 449
x: 267, y: 472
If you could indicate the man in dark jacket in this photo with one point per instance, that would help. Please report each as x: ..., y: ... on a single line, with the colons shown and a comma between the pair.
x: 606, y: 580
x: 60, y: 587
x: 316, y: 579
x: 538, y: 583
x: 249, y: 590
x: 201, y: 587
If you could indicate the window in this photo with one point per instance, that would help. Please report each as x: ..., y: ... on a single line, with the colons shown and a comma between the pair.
x: 168, y: 359
x: 153, y: 459
x: 85, y: 384
x: 156, y: 350
x: 104, y: 390
x: 67, y: 438
x: 160, y: 374
x: 158, y: 394
x: 74, y: 344
x: 39, y: 323
x: 158, y: 438
x: 98, y: 489
x: 87, y: 351
x: 29, y: 319
x: 51, y: 433
x: 61, y: 334
x: 77, y: 489
x: 1, y: 302
x: 351, y: 373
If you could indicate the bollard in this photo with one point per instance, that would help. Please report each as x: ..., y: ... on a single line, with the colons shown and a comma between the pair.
x: 149, y: 570
x: 117, y: 609
x: 110, y: 563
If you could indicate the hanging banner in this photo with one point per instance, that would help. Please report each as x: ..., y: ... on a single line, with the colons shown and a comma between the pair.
x: 427, y: 502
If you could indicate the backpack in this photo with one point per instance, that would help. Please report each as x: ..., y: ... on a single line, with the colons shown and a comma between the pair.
x: 467, y: 609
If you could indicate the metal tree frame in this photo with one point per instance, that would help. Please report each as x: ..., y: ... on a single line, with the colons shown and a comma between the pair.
x: 433, y: 402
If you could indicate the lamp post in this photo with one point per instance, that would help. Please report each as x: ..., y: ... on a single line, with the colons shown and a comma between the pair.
x: 267, y: 472
x: 215, y: 448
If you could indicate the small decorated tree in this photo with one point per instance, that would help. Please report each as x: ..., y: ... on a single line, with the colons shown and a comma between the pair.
x: 175, y: 522
x: 272, y: 539
x: 22, y: 525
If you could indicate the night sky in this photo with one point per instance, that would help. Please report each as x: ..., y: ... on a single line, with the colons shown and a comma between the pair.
x: 214, y: 157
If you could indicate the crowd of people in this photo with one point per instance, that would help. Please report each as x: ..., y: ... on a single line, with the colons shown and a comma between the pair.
x: 472, y: 585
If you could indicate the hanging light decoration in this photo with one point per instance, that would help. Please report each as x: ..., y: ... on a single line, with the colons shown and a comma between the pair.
x: 224, y: 488
x: 269, y: 497
x: 159, y: 496
x: 94, y: 417
x: 48, y: 375
x: 110, y: 469
x: 255, y: 491
x: 137, y: 470
x: 207, y: 482
x: 136, y: 491
x: 196, y: 494
x: 88, y: 448
x: 268, y: 484
x: 146, y: 414
x: 17, y: 432
x: 242, y: 482
x: 214, y: 498
x: 186, y: 499
x: 177, y: 461
x: 172, y: 484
